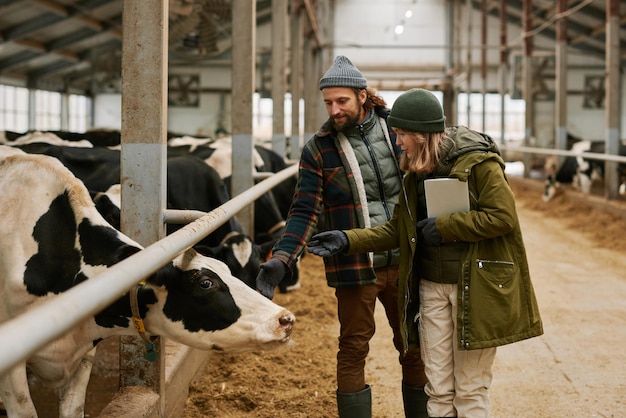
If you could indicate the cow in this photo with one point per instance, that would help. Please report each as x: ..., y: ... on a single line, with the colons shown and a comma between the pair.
x: 578, y: 171
x: 216, y: 153
x: 284, y: 191
x: 97, y: 167
x: 49, y: 138
x: 97, y: 136
x: 193, y: 185
x: 269, y: 217
x: 53, y: 238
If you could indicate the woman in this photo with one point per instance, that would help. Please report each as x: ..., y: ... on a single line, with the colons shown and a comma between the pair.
x: 464, y: 277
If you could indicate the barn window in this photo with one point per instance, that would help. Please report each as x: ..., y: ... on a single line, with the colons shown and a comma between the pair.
x: 47, y: 110
x: 79, y: 114
x: 514, y: 119
x: 13, y: 108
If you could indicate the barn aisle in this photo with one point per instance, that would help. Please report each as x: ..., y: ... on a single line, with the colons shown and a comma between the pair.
x: 577, y: 368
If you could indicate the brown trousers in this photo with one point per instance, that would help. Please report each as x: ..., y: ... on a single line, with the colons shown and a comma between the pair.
x: 355, y: 306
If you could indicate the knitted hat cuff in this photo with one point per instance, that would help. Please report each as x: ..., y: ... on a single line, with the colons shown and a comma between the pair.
x: 418, y: 126
x: 359, y: 83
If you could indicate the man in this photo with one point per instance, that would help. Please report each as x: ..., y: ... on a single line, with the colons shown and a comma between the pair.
x: 349, y: 177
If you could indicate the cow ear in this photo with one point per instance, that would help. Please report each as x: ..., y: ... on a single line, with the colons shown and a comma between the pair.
x: 207, y: 251
x: 265, y: 249
x: 109, y: 210
x: 125, y: 251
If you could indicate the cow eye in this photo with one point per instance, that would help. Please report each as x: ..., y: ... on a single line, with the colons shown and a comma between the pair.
x: 206, y: 283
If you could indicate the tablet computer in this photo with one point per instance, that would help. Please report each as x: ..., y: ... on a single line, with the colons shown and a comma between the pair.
x: 445, y: 196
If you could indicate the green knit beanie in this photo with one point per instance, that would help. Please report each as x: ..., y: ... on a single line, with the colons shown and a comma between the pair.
x: 343, y: 74
x: 417, y: 110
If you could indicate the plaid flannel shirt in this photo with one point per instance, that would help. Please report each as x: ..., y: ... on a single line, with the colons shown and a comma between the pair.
x: 326, y: 194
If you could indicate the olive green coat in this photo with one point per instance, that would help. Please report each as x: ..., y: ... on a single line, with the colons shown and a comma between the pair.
x: 497, y: 304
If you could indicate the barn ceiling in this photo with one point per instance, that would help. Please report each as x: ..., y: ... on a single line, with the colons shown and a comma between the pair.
x: 75, y: 45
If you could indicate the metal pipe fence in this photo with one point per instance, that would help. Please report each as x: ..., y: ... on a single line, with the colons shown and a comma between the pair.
x: 565, y: 153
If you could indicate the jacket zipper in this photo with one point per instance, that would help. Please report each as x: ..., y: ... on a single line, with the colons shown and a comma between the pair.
x: 481, y: 263
x: 404, y: 324
x: 376, y: 171
x: 407, y: 293
x: 379, y: 181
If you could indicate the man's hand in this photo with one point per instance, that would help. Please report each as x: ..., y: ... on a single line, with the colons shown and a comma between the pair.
x: 328, y: 243
x: 272, y: 272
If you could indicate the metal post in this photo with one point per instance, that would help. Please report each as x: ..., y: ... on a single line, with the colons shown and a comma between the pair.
x: 143, y: 157
x: 297, y: 18
x: 527, y: 83
x: 243, y: 77
x: 279, y: 51
x: 561, y: 80
x: 613, y: 96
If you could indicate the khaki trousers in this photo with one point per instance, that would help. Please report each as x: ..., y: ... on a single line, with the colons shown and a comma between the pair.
x: 355, y: 308
x: 458, y: 380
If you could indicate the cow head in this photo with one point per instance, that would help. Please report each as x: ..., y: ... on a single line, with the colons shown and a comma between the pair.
x: 198, y: 302
x: 240, y: 254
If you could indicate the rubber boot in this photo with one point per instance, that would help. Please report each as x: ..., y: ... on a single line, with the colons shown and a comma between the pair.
x: 415, y: 400
x: 355, y: 405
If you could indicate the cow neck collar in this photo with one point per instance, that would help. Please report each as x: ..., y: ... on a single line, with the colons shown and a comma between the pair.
x: 137, y: 321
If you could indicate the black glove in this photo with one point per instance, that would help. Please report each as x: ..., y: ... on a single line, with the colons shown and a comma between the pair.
x: 429, y: 232
x: 328, y: 243
x: 272, y: 272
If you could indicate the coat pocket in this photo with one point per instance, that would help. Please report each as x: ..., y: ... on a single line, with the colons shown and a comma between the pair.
x: 496, y: 291
x: 500, y: 274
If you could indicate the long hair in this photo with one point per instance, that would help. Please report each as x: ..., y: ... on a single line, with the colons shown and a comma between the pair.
x: 426, y: 156
x: 373, y: 99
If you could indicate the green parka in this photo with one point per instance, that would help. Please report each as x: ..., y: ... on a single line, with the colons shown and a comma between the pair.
x: 497, y: 304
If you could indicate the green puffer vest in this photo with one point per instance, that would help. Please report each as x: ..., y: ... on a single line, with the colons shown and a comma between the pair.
x: 380, y: 177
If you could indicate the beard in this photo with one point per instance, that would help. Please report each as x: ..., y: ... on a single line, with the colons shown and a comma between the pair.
x: 351, y: 120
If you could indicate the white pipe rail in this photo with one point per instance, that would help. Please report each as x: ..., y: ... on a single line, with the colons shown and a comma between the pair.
x: 548, y: 151
x: 23, y: 335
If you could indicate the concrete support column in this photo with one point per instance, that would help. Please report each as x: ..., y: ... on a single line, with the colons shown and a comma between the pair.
x: 143, y: 159
x: 244, y: 74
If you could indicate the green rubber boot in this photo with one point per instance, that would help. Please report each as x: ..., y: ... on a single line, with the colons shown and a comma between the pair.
x: 355, y: 405
x: 415, y: 400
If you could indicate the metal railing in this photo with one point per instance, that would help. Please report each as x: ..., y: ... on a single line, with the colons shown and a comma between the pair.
x: 549, y: 151
x: 27, y: 333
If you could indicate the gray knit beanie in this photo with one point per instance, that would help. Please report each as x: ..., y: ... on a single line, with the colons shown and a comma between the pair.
x: 417, y: 110
x: 343, y: 74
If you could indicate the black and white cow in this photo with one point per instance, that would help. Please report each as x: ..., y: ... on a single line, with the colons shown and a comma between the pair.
x: 283, y: 192
x: 52, y: 238
x: 578, y: 171
x: 193, y: 185
x: 215, y: 152
x: 97, y: 167
x: 271, y: 208
x: 49, y: 138
x: 190, y: 186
